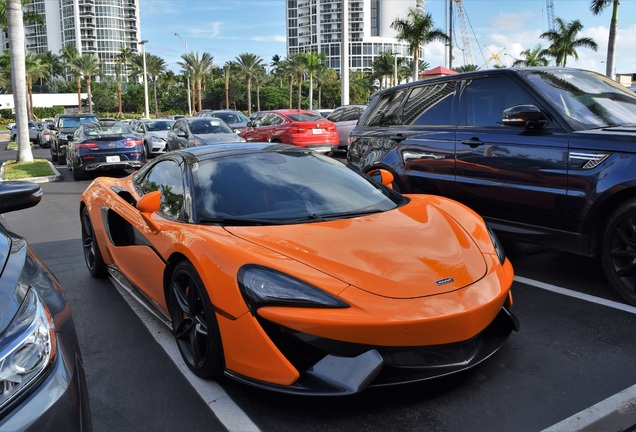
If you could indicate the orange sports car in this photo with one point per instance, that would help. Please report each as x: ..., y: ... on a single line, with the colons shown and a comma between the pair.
x: 285, y: 269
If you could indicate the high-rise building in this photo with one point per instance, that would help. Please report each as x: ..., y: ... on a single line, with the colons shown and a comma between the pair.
x: 316, y: 26
x: 100, y: 27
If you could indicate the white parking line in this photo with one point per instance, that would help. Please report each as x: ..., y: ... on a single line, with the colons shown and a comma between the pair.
x: 217, y: 400
x: 564, y: 291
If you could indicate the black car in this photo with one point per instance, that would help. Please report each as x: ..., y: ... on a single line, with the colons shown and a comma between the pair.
x: 65, y: 125
x: 42, y: 382
x: 546, y: 155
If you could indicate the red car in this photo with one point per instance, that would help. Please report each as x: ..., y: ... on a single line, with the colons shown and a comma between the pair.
x: 298, y: 127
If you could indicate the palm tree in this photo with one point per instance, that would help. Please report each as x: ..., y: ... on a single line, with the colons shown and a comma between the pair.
x: 15, y: 28
x: 285, y: 69
x: 35, y: 69
x: 123, y: 60
x: 88, y: 66
x: 383, y: 67
x: 533, y: 57
x: 324, y: 74
x: 69, y: 54
x: 28, y: 17
x: 259, y: 77
x: 227, y: 72
x: 297, y: 66
x: 199, y: 67
x: 155, y: 66
x: 466, y: 68
x: 313, y: 62
x: 417, y: 30
x: 564, y: 40
x: 248, y: 64
x: 597, y: 7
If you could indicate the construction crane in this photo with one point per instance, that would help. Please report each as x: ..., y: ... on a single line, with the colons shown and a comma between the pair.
x: 461, y: 17
x: 494, y: 56
x: 549, y: 7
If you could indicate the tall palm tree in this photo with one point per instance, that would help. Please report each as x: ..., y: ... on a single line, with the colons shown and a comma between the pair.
x: 298, y: 66
x: 597, y: 7
x: 285, y: 69
x: 248, y: 64
x: 122, y: 62
x: 564, y: 41
x: 417, y: 30
x: 35, y: 69
x: 259, y: 77
x: 88, y: 66
x: 155, y: 66
x: 15, y: 28
x: 199, y: 66
x: 532, y: 57
x: 313, y: 61
x: 324, y: 74
x: 69, y: 54
x: 227, y: 72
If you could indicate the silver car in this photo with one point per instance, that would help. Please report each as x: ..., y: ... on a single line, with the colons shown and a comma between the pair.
x: 153, y: 133
x: 34, y: 129
x: 198, y: 131
x: 345, y: 118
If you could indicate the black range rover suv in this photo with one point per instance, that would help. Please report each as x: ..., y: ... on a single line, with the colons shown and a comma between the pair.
x: 545, y: 155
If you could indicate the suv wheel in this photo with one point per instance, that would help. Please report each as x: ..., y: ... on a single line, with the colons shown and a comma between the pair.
x: 618, y: 251
x: 53, y: 155
x: 61, y: 157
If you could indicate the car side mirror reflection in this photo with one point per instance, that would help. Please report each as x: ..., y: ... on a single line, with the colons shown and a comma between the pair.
x: 382, y: 176
x: 527, y: 116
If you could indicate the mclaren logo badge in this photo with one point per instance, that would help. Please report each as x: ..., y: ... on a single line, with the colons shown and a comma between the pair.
x: 444, y: 281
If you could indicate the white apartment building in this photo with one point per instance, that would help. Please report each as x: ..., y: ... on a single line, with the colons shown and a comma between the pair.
x: 316, y: 25
x: 100, y: 27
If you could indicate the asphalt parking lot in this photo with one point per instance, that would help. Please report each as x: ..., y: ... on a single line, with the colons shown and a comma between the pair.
x: 574, y: 358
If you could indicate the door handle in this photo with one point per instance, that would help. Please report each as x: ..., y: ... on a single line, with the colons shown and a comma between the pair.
x: 473, y: 142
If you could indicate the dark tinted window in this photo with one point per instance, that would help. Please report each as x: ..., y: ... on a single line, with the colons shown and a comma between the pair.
x: 166, y: 177
x: 386, y: 110
x: 430, y: 104
x: 485, y: 99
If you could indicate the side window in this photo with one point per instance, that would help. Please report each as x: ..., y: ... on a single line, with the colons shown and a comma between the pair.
x: 276, y: 120
x: 386, y: 111
x: 430, y: 104
x: 166, y: 177
x: 484, y: 100
x: 335, y: 116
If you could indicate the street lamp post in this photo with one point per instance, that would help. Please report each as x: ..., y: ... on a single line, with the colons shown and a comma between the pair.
x: 185, y: 44
x: 143, y: 54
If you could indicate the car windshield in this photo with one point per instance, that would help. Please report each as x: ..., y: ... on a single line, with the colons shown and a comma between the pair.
x: 158, y: 126
x: 586, y: 100
x: 231, y: 117
x: 302, y: 117
x: 206, y: 126
x: 116, y: 129
x: 72, y: 122
x: 285, y: 187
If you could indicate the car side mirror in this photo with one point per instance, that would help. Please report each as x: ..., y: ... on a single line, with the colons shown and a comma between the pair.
x: 147, y: 205
x: 18, y: 195
x: 527, y: 116
x: 181, y: 134
x: 382, y: 176
x: 252, y: 124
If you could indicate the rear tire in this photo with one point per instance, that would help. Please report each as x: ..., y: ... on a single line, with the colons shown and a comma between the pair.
x: 61, y: 157
x: 92, y: 255
x: 618, y: 251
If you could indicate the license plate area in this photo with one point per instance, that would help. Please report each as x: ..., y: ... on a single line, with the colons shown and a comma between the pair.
x: 110, y: 159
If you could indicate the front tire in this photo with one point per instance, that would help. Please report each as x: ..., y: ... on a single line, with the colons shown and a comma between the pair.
x: 61, y: 157
x: 618, y: 251
x: 194, y: 322
x: 92, y: 255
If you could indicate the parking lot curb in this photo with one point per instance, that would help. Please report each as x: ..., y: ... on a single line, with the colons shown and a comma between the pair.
x: 44, y: 179
x: 616, y: 413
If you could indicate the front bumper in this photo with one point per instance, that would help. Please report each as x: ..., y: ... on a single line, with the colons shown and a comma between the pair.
x: 334, y: 368
x: 59, y: 402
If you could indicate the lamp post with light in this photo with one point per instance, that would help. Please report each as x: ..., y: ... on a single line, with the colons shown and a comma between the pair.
x: 143, y: 53
x: 185, y: 44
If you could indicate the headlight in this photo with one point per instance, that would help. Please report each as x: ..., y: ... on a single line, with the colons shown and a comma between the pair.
x: 261, y: 286
x: 27, y: 348
x: 501, y: 254
x: 155, y: 139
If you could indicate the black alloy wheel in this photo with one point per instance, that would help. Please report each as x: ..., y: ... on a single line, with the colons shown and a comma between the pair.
x: 618, y: 251
x: 92, y: 255
x: 194, y: 322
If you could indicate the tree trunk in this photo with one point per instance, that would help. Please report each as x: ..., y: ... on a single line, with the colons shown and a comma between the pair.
x: 78, y: 81
x: 154, y: 95
x: 611, y: 43
x: 18, y: 78
x: 88, y: 93
x: 249, y: 95
x: 119, y: 113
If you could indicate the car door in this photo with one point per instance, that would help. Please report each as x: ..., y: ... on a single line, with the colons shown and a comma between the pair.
x: 137, y: 247
x: 509, y: 175
x: 423, y: 138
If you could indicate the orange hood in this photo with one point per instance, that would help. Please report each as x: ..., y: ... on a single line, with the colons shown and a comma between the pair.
x: 414, y: 251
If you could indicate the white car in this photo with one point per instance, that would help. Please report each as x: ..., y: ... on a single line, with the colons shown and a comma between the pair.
x: 34, y: 129
x: 153, y: 133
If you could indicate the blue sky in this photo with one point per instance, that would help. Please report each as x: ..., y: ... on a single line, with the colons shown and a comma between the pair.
x: 227, y: 28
